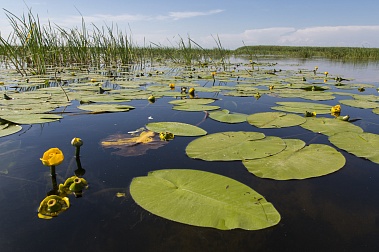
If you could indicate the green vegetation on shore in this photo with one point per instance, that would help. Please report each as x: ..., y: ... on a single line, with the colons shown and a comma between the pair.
x: 341, y: 53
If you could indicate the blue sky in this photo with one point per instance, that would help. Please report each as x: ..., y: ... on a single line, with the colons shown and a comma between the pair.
x: 238, y: 22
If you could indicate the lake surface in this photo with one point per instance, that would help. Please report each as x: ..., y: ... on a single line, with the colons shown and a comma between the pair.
x: 336, y: 212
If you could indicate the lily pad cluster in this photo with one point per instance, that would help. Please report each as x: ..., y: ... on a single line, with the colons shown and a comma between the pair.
x: 268, y: 156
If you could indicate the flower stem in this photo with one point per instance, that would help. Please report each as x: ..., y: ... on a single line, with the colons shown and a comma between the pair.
x: 77, y: 152
x: 52, y: 170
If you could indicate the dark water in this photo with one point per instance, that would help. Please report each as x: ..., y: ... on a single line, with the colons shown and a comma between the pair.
x: 337, y: 212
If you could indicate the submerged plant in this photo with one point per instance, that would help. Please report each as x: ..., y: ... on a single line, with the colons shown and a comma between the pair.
x: 74, y: 185
x: 52, y: 206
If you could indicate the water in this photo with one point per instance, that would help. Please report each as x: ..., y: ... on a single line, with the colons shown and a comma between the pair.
x: 337, y: 212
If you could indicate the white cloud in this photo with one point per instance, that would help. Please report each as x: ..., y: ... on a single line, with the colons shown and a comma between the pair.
x: 191, y: 14
x: 355, y: 36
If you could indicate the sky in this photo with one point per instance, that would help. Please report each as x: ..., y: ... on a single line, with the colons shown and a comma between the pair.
x: 235, y: 23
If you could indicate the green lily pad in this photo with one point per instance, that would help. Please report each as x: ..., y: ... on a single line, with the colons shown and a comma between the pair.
x: 199, y: 101
x: 360, y: 144
x: 9, y: 129
x: 360, y: 103
x: 275, y: 120
x: 329, y: 126
x: 226, y: 117
x: 297, y: 161
x: 31, y: 118
x: 203, y: 199
x: 195, y: 107
x: 176, y: 128
x: 102, y: 108
x: 240, y: 145
x: 301, y: 107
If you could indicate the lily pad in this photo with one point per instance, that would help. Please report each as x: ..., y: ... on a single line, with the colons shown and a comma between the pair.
x: 329, y: 126
x: 176, y: 128
x: 240, y: 145
x: 226, y: 117
x: 301, y: 107
x: 360, y: 144
x: 9, y: 129
x: 195, y: 107
x: 102, y: 108
x: 275, y: 120
x: 360, y: 103
x: 297, y: 161
x: 203, y: 199
x: 31, y: 118
x: 199, y: 101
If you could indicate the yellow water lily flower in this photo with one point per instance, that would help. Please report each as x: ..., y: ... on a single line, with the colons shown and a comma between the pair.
x: 191, y: 91
x: 336, y: 109
x: 171, y: 85
x: 310, y: 114
x: 326, y: 74
x: 52, y: 157
x: 165, y: 136
x: 151, y: 98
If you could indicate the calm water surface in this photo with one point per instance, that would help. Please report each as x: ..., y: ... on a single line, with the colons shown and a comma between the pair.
x: 337, y: 212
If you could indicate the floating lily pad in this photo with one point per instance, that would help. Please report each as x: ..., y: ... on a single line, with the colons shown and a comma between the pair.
x: 31, y: 118
x: 301, y: 107
x: 228, y: 146
x: 329, y: 126
x: 9, y: 129
x: 203, y: 199
x: 227, y: 117
x: 360, y: 144
x: 200, y: 101
x: 102, y: 108
x: 275, y: 120
x: 297, y: 161
x: 176, y: 128
x: 360, y: 103
x: 195, y: 107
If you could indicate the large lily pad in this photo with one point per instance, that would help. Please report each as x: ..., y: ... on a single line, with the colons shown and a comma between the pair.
x: 301, y: 107
x: 203, y: 199
x: 227, y: 117
x: 360, y: 144
x: 275, y: 120
x: 297, y: 161
x: 176, y: 128
x: 228, y: 146
x: 329, y: 126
